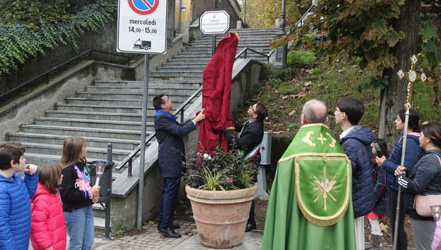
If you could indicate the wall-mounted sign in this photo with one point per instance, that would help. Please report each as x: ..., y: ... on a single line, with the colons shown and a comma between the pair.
x: 214, y: 22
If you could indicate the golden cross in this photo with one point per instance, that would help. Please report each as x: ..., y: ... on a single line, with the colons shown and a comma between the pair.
x: 321, y: 138
x: 411, y: 75
x: 324, y: 188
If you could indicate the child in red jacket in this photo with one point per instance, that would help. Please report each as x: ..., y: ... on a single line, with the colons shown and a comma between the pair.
x: 48, y: 229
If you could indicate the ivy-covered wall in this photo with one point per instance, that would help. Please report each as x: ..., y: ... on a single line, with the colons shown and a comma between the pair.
x: 104, y: 40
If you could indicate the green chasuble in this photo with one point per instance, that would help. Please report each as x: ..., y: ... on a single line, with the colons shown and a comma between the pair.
x: 310, y: 206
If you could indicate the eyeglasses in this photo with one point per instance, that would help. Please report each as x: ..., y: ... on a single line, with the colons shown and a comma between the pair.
x: 252, y: 109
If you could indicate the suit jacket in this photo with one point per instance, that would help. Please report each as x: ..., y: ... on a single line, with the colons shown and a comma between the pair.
x: 171, y: 153
x: 251, y: 136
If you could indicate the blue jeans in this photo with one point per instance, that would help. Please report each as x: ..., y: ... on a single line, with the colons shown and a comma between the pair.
x: 80, y: 228
x: 170, y: 187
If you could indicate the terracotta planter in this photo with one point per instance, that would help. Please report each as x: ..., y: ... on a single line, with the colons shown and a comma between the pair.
x: 221, y: 216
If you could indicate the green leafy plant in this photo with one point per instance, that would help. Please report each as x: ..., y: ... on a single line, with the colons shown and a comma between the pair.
x: 20, y: 41
x: 220, y: 171
x: 121, y: 229
x: 301, y: 58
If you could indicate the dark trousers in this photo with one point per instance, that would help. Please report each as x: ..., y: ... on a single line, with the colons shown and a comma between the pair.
x: 169, y: 194
x: 402, y: 237
x: 252, y: 218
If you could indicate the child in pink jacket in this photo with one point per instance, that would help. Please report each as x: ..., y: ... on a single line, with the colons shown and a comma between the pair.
x: 436, y: 245
x: 48, y: 228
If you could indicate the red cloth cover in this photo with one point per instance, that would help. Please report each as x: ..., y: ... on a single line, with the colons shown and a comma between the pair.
x: 216, y: 88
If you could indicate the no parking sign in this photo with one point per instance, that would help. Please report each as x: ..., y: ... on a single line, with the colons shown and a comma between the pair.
x: 142, y: 26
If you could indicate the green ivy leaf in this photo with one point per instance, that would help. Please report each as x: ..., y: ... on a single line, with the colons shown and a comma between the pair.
x: 429, y: 31
x: 430, y: 47
x: 380, y: 25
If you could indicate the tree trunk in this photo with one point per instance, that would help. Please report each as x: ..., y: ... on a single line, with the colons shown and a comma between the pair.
x: 394, y: 96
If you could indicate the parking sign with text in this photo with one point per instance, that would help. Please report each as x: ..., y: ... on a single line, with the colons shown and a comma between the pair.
x: 142, y: 26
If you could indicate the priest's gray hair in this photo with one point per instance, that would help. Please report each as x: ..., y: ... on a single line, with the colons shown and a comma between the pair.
x: 315, y: 111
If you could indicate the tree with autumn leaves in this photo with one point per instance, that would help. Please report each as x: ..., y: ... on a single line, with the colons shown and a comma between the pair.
x: 381, y: 35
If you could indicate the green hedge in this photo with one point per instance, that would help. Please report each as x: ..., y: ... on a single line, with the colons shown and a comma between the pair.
x: 19, y: 42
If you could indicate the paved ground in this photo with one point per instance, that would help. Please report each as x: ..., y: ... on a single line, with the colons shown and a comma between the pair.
x: 150, y: 239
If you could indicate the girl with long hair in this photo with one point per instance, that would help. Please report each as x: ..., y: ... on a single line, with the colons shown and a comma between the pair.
x: 77, y: 194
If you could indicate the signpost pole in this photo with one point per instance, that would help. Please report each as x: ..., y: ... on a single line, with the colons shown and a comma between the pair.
x: 213, y: 45
x: 142, y: 29
x: 143, y: 136
x: 213, y: 39
x: 214, y: 23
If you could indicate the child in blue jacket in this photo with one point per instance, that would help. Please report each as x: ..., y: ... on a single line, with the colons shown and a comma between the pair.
x: 15, y: 194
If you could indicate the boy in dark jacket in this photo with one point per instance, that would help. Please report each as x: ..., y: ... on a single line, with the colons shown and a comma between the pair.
x: 248, y: 141
x: 15, y: 194
x: 356, y: 141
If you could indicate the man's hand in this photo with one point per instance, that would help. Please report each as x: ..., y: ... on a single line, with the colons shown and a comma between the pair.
x: 380, y: 161
x: 400, y: 170
x: 30, y: 169
x: 199, y: 117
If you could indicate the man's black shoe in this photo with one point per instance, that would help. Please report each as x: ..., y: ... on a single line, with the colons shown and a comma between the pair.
x: 169, y: 232
x: 250, y: 226
x: 176, y: 226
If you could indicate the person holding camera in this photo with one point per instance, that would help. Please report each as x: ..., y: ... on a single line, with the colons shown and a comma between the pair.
x: 379, y: 149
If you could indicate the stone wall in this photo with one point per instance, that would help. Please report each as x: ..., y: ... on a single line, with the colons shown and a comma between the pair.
x: 104, y: 40
x: 34, y: 66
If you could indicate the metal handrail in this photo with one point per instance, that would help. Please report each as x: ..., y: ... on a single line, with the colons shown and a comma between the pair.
x: 48, y: 73
x: 129, y: 159
x: 245, y: 50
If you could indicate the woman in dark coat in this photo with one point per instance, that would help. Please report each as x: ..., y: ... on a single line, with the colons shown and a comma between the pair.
x: 392, y: 163
x: 424, y: 178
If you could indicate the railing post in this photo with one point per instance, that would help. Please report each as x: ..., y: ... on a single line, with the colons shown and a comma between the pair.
x: 246, y: 51
x: 129, y: 172
x: 109, y: 193
x: 182, y: 115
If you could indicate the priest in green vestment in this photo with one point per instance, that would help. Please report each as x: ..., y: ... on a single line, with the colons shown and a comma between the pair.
x: 310, y: 205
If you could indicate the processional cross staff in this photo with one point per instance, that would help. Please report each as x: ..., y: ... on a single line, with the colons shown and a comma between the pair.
x: 411, y: 75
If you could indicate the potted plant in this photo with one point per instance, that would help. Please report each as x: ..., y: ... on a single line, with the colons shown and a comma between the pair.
x: 221, y: 187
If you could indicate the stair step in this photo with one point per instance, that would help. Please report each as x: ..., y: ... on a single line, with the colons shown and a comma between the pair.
x: 193, y: 63
x: 113, y: 116
x: 42, y: 159
x: 85, y: 131
x: 166, y: 74
x: 51, y: 149
x: 201, y: 57
x: 59, y: 140
x: 100, y: 108
x: 119, y: 93
x: 106, y: 109
x: 110, y: 88
x: 99, y: 124
x: 109, y: 99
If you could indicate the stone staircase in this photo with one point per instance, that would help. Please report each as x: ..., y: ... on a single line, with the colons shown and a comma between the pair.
x: 110, y: 112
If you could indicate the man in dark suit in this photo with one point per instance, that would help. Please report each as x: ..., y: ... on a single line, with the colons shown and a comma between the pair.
x: 248, y: 142
x: 171, y: 157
